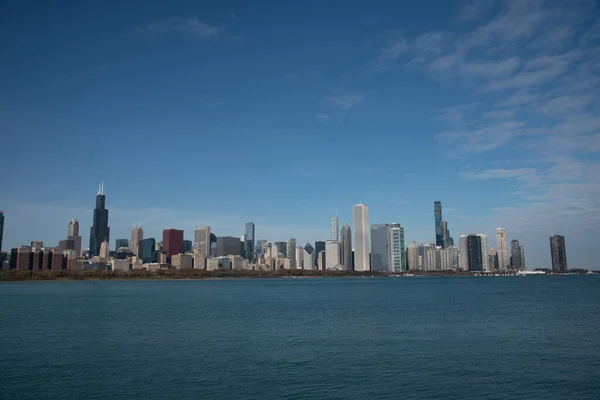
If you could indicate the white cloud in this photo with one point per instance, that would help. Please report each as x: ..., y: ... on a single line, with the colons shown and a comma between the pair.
x: 322, y: 117
x: 190, y: 27
x: 345, y: 101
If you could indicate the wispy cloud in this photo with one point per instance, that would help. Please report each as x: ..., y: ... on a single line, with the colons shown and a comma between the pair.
x: 345, y: 101
x: 323, y: 117
x: 192, y: 27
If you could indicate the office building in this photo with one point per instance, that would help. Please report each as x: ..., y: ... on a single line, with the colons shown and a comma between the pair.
x: 484, y: 252
x: 99, y: 232
x: 412, y: 256
x: 291, y: 253
x: 229, y: 246
x: 333, y: 229
x: 523, y: 267
x: 187, y: 246
x: 66, y: 245
x: 346, y: 245
x: 137, y: 234
x: 172, y: 242
x: 397, y: 253
x: 120, y: 265
x: 281, y: 249
x: 299, y: 257
x: 502, y: 250
x: 249, y: 240
x: 463, y: 255
x: 309, y: 257
x: 493, y: 262
x: 558, y: 251
x: 474, y: 253
x: 147, y: 250
x: 73, y: 234
x: 437, y: 258
x: 380, y: 247
x: 437, y: 216
x: 202, y: 240
x: 515, y: 255
x: 319, y: 247
x: 182, y: 261
x: 361, y: 238
x: 332, y: 254
x: 104, y: 250
x: 121, y: 243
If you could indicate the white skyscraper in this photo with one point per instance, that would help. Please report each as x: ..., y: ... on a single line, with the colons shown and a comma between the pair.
x: 361, y: 238
x: 137, y: 234
x: 333, y: 229
x: 299, y: 257
x: 484, y: 252
x: 463, y: 255
x: 502, y: 249
x: 104, y: 250
x: 332, y: 254
x: 202, y: 240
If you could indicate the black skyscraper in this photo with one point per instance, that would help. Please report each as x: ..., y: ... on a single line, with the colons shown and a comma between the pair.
x: 1, y: 228
x: 439, y: 233
x: 474, y: 254
x: 99, y: 232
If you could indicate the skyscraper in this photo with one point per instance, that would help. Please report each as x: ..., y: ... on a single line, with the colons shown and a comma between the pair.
x: 523, y: 267
x: 121, y: 243
x: 361, y: 237
x: 332, y: 254
x: 249, y: 241
x: 99, y: 232
x: 104, y: 250
x: 515, y: 255
x: 229, y: 246
x: 333, y: 229
x: 73, y: 234
x: 437, y: 215
x: 502, y: 249
x: 346, y: 245
x: 474, y: 254
x: 187, y: 246
x: 558, y: 252
x: 397, y: 253
x: 172, y: 242
x: 463, y: 255
x: 147, y: 250
x: 281, y: 248
x: 412, y: 255
x: 202, y: 240
x: 484, y: 252
x: 319, y: 247
x: 1, y: 228
x: 291, y: 252
x: 137, y: 234
x: 493, y: 260
x: 380, y: 247
x: 309, y: 257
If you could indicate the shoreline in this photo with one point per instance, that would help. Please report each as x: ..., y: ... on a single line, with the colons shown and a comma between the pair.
x: 192, y: 274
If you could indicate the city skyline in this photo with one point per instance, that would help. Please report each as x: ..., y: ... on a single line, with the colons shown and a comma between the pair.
x: 490, y: 107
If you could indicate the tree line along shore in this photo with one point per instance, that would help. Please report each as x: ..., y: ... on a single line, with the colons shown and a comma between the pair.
x: 49, y: 275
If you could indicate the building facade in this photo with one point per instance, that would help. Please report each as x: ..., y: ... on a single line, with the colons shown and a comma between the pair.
x: 502, y: 250
x: 397, y: 252
x: 99, y: 232
x: 172, y: 242
x: 332, y: 254
x: 202, y: 240
x: 137, y: 234
x: 147, y: 250
x: 229, y: 246
x: 515, y: 255
x: 474, y: 253
x: 291, y: 253
x: 249, y: 241
x: 558, y: 251
x: 121, y: 243
x: 437, y: 216
x: 412, y: 256
x: 309, y: 257
x: 361, y: 238
x: 463, y: 256
x: 333, y: 229
x: 380, y: 247
x: 346, y: 245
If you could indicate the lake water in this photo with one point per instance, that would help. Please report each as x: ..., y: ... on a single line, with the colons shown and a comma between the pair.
x: 534, y: 337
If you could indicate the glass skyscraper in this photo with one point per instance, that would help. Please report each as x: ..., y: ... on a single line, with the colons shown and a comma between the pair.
x: 558, y: 252
x: 380, y: 247
x: 99, y: 232
x: 249, y: 241
x: 147, y: 250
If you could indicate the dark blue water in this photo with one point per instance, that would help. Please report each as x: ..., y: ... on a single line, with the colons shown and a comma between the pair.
x: 396, y: 338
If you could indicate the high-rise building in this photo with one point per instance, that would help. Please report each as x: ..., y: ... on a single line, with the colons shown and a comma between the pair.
x: 291, y: 252
x: 202, y: 240
x: 502, y: 250
x: 436, y: 258
x: 73, y: 234
x: 380, y: 247
x: 447, y: 240
x: 397, y: 252
x: 361, y: 238
x: 229, y: 246
x: 249, y: 240
x: 99, y: 232
x: 437, y: 215
x: 147, y: 250
x: 523, y: 267
x: 463, y: 255
x: 319, y: 247
x: 332, y: 254
x: 309, y: 257
x: 346, y: 245
x: 1, y: 228
x: 493, y: 260
x: 172, y: 242
x: 299, y: 257
x: 484, y: 252
x: 104, y: 250
x: 558, y: 251
x: 121, y: 243
x: 137, y: 234
x: 412, y: 255
x: 515, y: 255
x: 187, y: 246
x: 333, y: 229
x: 281, y: 248
x: 474, y: 253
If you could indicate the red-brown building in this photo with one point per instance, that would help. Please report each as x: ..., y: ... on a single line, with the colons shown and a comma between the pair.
x: 172, y: 242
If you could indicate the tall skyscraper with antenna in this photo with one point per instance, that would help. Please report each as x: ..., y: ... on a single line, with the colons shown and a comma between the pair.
x: 99, y: 232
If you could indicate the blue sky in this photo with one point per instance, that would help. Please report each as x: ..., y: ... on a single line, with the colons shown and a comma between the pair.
x: 219, y: 113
